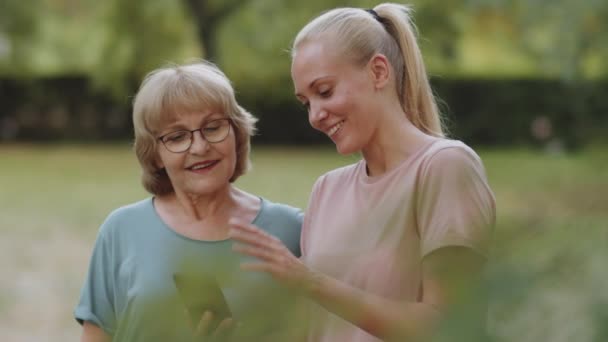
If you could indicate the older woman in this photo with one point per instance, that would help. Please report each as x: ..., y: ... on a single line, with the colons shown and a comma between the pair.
x: 192, y: 141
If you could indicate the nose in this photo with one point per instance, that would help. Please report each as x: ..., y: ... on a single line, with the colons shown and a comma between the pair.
x: 199, y: 144
x: 316, y: 114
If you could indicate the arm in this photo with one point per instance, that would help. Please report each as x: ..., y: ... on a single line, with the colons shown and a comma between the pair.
x: 93, y: 333
x: 449, y: 275
x: 95, y: 310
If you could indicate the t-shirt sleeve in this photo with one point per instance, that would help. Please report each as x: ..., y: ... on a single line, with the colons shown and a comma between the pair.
x: 97, y: 294
x: 298, y: 219
x: 284, y: 222
x: 455, y: 206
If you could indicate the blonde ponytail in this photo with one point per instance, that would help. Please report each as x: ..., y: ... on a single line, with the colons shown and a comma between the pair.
x: 413, y: 85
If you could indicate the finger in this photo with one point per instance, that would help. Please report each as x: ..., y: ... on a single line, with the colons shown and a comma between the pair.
x: 223, y: 328
x: 258, y: 267
x: 261, y: 240
x: 202, y: 329
x: 255, y: 242
x: 251, y: 239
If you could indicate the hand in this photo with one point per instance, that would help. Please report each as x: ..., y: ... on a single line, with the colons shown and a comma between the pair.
x: 202, y: 331
x: 274, y: 258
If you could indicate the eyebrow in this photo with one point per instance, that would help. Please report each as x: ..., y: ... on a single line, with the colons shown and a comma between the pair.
x: 180, y: 126
x: 312, y: 84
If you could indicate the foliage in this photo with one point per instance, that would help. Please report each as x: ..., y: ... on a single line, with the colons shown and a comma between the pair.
x: 208, y: 16
x: 116, y: 42
x: 485, y: 111
x: 18, y: 21
x: 111, y: 45
x: 141, y: 36
x: 566, y: 37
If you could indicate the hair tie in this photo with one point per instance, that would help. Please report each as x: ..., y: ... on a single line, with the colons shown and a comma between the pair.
x: 374, y: 14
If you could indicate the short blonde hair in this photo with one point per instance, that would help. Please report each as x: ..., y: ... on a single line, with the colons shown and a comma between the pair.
x: 387, y: 29
x: 175, y: 89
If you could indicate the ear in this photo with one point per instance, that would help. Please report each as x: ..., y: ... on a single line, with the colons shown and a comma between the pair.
x: 380, y: 70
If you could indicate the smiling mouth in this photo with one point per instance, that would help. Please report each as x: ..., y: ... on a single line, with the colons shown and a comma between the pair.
x: 335, y: 128
x: 203, y: 166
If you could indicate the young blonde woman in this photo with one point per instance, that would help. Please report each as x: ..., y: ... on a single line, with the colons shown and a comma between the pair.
x: 394, y: 241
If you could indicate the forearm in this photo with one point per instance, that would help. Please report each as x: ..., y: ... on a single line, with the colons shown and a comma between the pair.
x: 449, y: 276
x: 93, y: 333
x: 384, y: 318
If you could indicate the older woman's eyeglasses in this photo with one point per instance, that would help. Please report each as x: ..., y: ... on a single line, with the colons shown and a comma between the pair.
x: 214, y: 131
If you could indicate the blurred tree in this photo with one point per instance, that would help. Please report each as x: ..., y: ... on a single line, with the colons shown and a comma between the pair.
x: 567, y: 40
x: 263, y: 30
x: 208, y: 16
x: 440, y: 43
x: 18, y: 23
x: 256, y: 39
x: 566, y: 37
x: 140, y: 36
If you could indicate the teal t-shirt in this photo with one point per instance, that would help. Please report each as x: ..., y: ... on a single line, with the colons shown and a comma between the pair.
x: 129, y: 290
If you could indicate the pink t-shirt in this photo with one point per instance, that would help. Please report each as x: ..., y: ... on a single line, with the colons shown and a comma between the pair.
x: 372, y: 232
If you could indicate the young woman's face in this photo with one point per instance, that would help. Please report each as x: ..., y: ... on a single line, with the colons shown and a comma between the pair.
x: 205, y: 167
x: 337, y: 94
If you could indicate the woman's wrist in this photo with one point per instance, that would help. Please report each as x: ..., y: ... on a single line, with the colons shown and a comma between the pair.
x: 313, y: 284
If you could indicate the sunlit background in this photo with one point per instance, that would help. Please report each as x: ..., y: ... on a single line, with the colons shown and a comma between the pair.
x: 523, y: 82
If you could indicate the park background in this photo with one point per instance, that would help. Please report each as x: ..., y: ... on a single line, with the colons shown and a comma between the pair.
x: 525, y: 83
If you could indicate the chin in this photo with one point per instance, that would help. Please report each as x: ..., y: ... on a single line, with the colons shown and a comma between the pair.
x: 207, y: 188
x: 346, y: 149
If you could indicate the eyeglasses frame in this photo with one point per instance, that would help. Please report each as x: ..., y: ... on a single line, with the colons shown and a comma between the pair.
x: 200, y: 130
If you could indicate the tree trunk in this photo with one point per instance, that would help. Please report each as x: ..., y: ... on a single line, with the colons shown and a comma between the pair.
x: 207, y: 21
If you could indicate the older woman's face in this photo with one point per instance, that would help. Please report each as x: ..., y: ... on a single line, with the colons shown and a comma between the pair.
x: 205, y: 167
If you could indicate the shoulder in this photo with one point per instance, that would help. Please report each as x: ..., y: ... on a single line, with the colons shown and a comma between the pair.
x: 455, y: 204
x: 342, y: 174
x: 282, y: 221
x: 125, y: 216
x: 450, y: 164
x: 450, y: 156
x: 280, y: 212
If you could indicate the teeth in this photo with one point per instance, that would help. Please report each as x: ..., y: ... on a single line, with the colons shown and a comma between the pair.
x: 201, y: 166
x: 335, y: 128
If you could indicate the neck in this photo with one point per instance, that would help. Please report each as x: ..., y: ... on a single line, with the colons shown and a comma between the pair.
x: 394, y: 140
x: 198, y: 207
x: 205, y: 217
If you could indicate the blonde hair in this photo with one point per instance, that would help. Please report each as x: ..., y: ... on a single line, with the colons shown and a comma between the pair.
x: 176, y: 89
x: 359, y: 34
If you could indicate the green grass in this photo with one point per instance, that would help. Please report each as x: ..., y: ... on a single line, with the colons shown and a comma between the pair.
x: 547, y: 275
